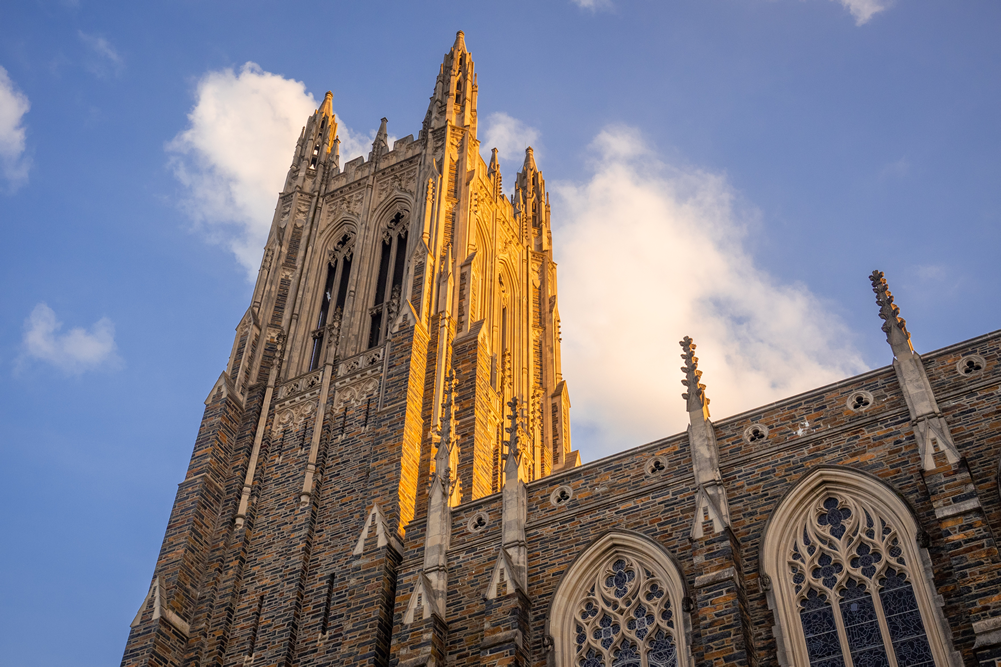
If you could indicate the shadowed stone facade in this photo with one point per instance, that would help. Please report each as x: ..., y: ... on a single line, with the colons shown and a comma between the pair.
x: 384, y: 476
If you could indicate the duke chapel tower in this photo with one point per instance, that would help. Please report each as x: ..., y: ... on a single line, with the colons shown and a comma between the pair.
x: 383, y: 475
x: 392, y: 288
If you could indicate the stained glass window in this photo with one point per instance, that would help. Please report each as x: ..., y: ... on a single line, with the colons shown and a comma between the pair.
x: 625, y: 619
x: 847, y: 571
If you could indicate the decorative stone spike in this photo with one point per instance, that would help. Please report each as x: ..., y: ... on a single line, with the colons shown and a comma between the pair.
x: 894, y: 326
x: 930, y: 429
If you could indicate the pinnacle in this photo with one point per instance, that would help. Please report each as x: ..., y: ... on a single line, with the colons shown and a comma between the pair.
x: 460, y: 41
x: 894, y: 326
x: 529, y: 160
x: 696, y: 395
x: 326, y: 107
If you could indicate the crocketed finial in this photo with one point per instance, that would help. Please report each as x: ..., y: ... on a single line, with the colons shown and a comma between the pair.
x: 442, y: 461
x: 513, y: 445
x: 696, y: 395
x: 894, y: 326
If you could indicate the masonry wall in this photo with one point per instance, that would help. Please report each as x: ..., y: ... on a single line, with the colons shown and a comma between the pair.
x: 806, y: 431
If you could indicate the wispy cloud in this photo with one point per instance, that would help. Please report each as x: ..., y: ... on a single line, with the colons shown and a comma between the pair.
x: 13, y: 106
x: 648, y: 253
x: 593, y: 5
x: 104, y: 60
x: 72, y: 352
x: 863, y: 10
x: 234, y: 154
x: 897, y: 170
x: 510, y: 137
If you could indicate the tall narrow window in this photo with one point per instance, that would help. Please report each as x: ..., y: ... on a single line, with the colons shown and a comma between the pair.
x: 326, y: 606
x: 620, y: 606
x: 257, y: 626
x: 850, y: 572
x: 389, y: 281
x: 328, y: 323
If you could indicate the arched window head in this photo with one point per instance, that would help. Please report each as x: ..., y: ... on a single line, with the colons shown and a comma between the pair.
x: 847, y: 577
x: 620, y: 605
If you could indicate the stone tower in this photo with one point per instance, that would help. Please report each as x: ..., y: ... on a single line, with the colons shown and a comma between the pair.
x: 390, y: 287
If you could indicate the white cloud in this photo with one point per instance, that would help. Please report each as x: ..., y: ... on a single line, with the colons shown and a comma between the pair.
x: 593, y: 5
x: 650, y: 253
x: 510, y: 137
x: 235, y: 153
x: 74, y: 351
x: 863, y: 10
x: 107, y: 61
x: 13, y: 105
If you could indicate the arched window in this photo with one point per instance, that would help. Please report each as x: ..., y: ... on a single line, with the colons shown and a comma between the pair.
x: 389, y: 283
x: 335, y: 292
x: 848, y: 583
x: 620, y: 605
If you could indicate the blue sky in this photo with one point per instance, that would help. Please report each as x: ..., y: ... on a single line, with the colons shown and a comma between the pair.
x: 728, y: 169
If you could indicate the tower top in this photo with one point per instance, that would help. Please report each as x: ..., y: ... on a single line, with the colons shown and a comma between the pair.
x: 894, y: 326
x: 460, y: 41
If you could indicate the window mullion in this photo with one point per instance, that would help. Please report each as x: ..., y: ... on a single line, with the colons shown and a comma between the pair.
x: 388, y: 297
x: 884, y: 628
x: 846, y: 651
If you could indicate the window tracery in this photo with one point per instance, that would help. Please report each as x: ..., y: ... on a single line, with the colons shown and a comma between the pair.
x: 852, y: 584
x: 623, y: 611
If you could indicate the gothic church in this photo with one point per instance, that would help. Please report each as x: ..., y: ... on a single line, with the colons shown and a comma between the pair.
x: 384, y: 475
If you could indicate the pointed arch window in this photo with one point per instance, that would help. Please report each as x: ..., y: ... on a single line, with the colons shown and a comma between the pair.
x: 620, y: 605
x: 849, y: 586
x: 389, y: 283
x: 335, y: 291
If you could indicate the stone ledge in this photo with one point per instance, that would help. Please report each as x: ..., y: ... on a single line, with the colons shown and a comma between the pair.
x: 503, y: 638
x: 988, y: 632
x: 956, y: 509
x: 715, y: 577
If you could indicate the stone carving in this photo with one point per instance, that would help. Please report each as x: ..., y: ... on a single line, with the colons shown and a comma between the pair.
x: 301, y: 384
x: 286, y: 209
x: 362, y: 361
x: 354, y: 393
x: 301, y: 211
x: 292, y: 417
x: 398, y: 181
x: 349, y: 203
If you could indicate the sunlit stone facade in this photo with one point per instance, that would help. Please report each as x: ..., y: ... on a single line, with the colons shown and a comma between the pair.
x: 384, y: 475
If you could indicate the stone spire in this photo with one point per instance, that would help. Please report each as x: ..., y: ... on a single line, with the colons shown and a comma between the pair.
x: 381, y: 144
x: 455, y: 92
x: 514, y: 501
x: 930, y: 428
x: 532, y: 202
x: 894, y: 326
x: 710, y: 502
x: 439, y: 518
x: 696, y: 394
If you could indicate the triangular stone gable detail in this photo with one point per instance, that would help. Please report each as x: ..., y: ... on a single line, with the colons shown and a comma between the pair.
x: 423, y: 602
x: 504, y: 578
x: 225, y: 385
x: 706, y: 509
x: 376, y: 522
x: 159, y: 610
x: 933, y: 434
x: 407, y: 318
